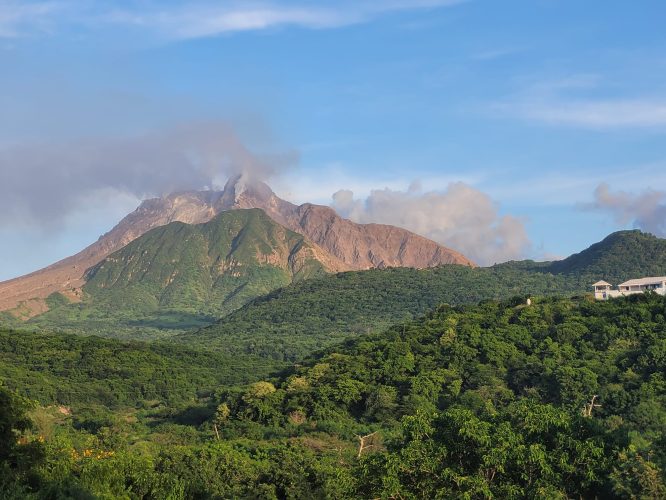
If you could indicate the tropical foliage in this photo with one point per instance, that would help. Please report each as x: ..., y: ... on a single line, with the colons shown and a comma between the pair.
x: 557, y: 399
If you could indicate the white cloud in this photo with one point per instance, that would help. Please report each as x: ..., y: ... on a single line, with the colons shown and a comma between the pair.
x: 645, y: 210
x: 568, y: 102
x: 460, y: 217
x: 19, y: 18
x: 198, y: 19
x: 315, y: 184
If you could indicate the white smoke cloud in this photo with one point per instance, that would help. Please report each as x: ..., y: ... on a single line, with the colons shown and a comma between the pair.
x: 646, y: 210
x: 43, y: 183
x: 460, y: 217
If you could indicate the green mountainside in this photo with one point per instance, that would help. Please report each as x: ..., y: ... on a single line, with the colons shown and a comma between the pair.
x: 563, y: 398
x: 181, y: 275
x: 618, y: 257
x: 291, y: 322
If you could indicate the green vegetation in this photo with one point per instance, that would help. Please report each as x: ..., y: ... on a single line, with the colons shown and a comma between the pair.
x: 74, y: 370
x: 559, y: 399
x: 178, y: 280
x: 292, y: 322
x: 182, y: 276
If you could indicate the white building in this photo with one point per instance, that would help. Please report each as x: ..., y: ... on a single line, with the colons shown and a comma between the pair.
x: 604, y: 291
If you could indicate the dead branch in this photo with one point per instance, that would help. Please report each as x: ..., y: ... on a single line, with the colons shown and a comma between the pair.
x: 589, y: 407
x: 365, y: 442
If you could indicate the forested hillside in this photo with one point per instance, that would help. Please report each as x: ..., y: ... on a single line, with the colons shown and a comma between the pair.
x: 291, y: 322
x: 558, y: 399
x: 618, y: 257
x: 294, y: 321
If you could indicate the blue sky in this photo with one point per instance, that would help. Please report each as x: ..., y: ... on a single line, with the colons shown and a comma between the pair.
x: 505, y: 129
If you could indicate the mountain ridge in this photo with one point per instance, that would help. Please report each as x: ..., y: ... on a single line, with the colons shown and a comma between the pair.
x: 357, y: 246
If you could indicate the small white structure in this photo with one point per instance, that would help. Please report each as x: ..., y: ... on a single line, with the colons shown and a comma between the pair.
x: 603, y: 290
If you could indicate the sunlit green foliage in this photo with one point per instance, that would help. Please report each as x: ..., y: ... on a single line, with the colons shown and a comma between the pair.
x: 563, y: 398
x: 74, y: 370
x: 294, y: 321
x: 618, y: 257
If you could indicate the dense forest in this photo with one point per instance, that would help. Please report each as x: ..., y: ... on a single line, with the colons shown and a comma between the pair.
x: 75, y: 370
x: 559, y: 398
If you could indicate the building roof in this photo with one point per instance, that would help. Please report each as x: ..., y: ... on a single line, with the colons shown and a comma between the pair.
x: 644, y: 281
x: 602, y: 283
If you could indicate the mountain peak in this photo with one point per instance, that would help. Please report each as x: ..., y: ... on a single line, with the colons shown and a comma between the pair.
x: 242, y: 188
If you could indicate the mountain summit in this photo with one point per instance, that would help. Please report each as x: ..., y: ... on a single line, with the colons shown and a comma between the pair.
x: 354, y: 246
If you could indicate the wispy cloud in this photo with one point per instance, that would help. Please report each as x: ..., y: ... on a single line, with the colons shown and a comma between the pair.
x: 598, y: 113
x: 562, y: 188
x: 573, y: 102
x: 23, y: 18
x: 200, y: 19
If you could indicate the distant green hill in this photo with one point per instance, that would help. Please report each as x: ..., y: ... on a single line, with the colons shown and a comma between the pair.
x: 181, y: 275
x: 618, y: 257
x: 294, y: 321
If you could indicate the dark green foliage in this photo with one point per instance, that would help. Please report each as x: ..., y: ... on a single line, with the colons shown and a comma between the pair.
x: 74, y: 370
x: 484, y: 401
x: 493, y: 400
x: 17, y: 458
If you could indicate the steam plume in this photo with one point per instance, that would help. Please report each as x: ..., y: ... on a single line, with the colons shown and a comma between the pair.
x: 460, y: 217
